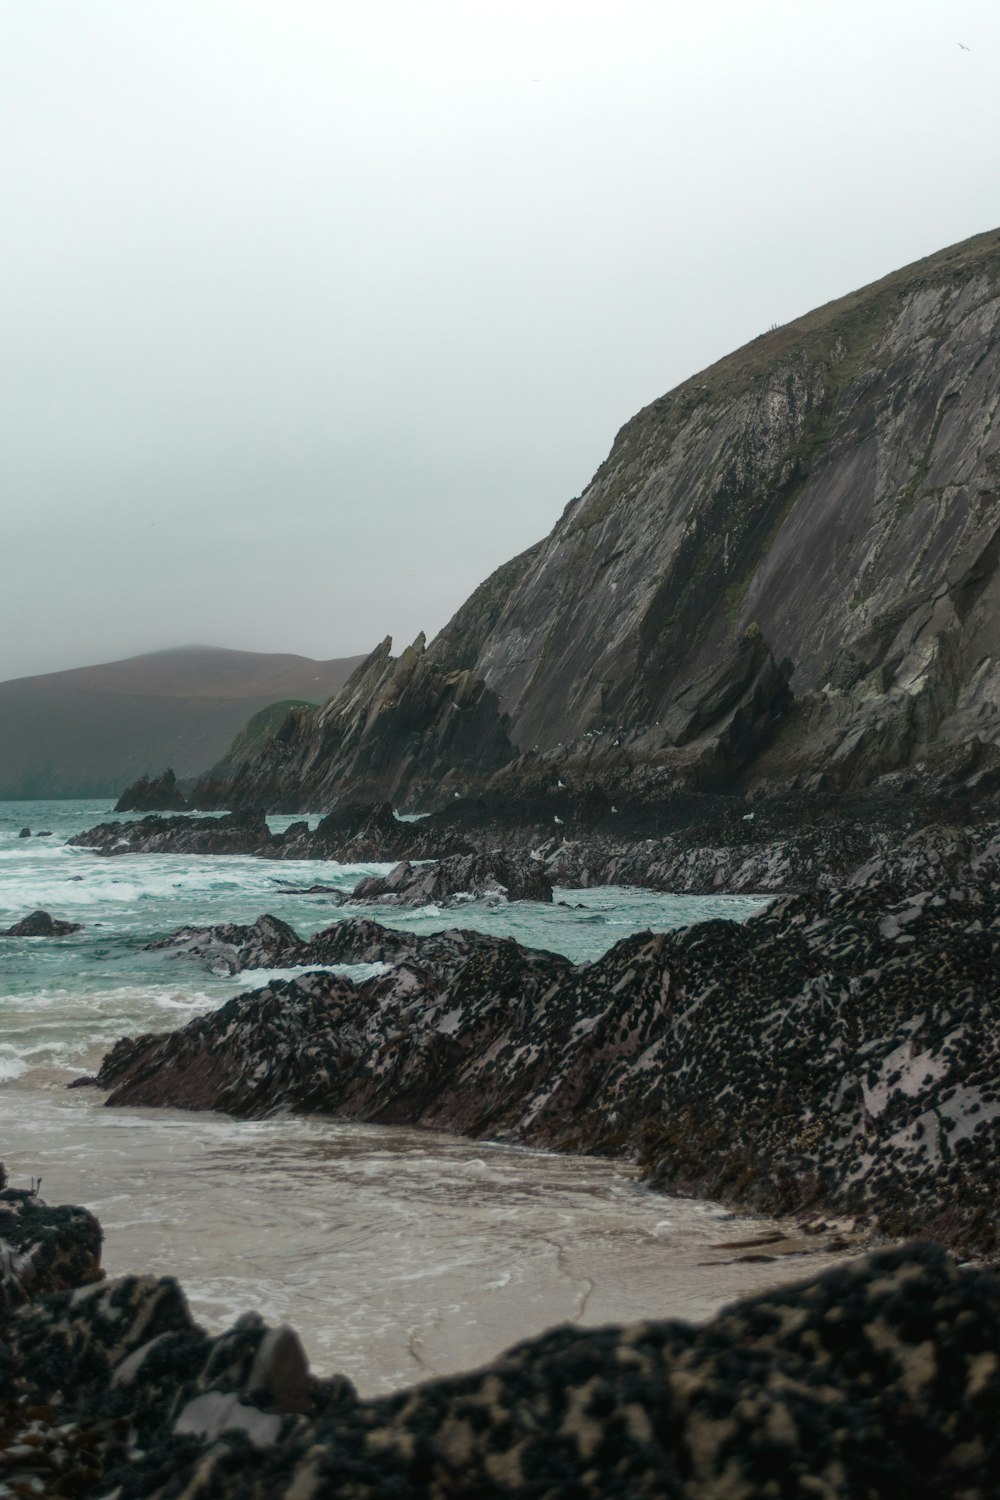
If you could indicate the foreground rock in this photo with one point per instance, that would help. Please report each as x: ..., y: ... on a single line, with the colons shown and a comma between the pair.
x: 43, y: 1249
x: 840, y: 1051
x: 41, y: 924
x: 877, y: 1379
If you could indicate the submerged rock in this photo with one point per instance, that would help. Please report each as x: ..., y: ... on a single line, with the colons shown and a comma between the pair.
x: 41, y: 924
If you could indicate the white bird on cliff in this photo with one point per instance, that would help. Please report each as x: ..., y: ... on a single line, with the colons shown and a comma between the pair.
x: 557, y: 820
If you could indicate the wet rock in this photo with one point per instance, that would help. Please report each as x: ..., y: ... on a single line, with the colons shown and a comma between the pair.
x: 153, y: 794
x: 25, y: 833
x: 877, y: 1378
x: 838, y: 1052
x: 495, y: 875
x: 43, y: 1249
x: 41, y: 924
x: 235, y: 833
x: 230, y: 947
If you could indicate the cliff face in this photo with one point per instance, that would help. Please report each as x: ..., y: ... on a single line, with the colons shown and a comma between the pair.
x: 786, y: 569
x: 398, y: 727
x: 834, y: 484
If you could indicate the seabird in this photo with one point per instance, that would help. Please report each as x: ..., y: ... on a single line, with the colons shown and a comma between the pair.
x: 964, y: 47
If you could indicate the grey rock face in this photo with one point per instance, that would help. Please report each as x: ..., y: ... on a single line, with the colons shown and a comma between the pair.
x: 822, y: 503
x: 835, y: 484
x: 400, y: 728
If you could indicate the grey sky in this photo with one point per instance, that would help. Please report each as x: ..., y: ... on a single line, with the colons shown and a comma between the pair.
x: 315, y: 313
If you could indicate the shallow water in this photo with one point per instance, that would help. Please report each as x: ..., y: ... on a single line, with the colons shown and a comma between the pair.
x: 396, y: 1253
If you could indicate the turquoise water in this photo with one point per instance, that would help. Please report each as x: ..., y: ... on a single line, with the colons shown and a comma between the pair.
x: 397, y: 1253
x: 65, y: 1000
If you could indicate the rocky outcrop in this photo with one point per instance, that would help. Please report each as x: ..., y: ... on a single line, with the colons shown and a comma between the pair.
x: 230, y: 947
x: 401, y: 729
x: 41, y: 924
x: 153, y: 794
x: 877, y: 1378
x: 492, y: 876
x: 840, y: 1051
x: 816, y: 515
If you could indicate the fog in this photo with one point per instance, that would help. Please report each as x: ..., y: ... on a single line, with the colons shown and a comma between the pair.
x: 314, y: 314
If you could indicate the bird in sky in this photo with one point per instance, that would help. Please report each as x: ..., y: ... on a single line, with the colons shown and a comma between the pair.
x: 964, y: 47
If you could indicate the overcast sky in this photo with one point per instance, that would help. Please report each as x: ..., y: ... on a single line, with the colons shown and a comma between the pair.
x: 315, y: 313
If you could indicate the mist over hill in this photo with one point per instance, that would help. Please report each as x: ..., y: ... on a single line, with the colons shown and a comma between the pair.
x: 89, y: 731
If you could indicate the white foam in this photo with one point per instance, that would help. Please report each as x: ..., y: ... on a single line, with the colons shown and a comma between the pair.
x: 357, y: 972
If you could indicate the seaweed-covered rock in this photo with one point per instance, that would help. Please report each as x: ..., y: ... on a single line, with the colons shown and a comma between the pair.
x: 840, y: 1050
x: 235, y: 833
x: 879, y: 1378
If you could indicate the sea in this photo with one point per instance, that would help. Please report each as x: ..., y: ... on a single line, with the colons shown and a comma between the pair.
x: 397, y: 1254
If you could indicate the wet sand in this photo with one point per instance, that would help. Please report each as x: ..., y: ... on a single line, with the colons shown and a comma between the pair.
x: 397, y: 1254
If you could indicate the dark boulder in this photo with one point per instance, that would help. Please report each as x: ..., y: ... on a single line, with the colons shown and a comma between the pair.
x: 41, y: 924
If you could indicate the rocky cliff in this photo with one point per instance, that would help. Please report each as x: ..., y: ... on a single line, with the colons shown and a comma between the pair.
x: 786, y: 570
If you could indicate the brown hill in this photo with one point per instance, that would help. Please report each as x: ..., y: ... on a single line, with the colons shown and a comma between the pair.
x: 90, y: 731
